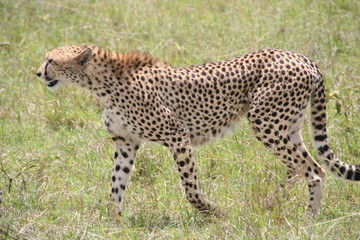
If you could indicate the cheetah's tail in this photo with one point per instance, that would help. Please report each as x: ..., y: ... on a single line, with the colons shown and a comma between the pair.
x: 320, y: 140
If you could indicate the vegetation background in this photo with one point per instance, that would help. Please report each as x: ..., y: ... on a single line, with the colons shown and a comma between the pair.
x: 56, y: 159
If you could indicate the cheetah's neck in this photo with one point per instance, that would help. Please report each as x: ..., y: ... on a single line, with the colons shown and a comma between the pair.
x: 108, y: 71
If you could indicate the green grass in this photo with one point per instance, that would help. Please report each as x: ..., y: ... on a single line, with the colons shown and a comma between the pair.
x: 56, y: 159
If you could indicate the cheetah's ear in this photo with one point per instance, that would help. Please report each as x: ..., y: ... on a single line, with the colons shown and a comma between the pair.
x: 84, y: 56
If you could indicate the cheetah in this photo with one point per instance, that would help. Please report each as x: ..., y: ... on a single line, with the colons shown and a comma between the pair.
x: 145, y: 99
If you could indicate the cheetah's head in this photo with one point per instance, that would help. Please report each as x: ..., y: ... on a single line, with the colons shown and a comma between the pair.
x: 64, y: 65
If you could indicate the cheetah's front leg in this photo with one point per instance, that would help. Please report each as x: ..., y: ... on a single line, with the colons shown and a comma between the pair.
x: 125, y: 150
x: 183, y: 156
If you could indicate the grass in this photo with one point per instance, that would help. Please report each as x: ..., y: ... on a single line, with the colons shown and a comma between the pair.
x: 56, y: 159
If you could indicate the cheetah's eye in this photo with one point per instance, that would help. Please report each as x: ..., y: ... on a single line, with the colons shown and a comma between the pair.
x: 49, y: 60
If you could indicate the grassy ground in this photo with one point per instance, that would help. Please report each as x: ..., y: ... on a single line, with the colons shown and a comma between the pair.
x: 56, y: 160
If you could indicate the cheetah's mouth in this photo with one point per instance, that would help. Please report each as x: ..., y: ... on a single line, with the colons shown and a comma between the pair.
x: 53, y: 83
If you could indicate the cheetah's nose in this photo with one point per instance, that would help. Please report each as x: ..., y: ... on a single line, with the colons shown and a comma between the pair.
x: 38, y: 74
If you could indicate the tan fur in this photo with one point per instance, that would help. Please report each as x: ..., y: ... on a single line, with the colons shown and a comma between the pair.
x: 147, y: 100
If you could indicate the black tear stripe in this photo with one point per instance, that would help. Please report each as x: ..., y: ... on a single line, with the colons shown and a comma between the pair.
x: 47, y: 63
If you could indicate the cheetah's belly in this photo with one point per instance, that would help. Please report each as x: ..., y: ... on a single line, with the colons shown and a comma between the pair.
x: 205, y: 129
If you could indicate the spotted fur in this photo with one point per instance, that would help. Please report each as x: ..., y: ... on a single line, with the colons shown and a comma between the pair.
x: 147, y: 100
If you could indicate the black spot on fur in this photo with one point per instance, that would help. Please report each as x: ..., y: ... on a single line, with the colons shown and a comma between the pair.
x: 126, y: 170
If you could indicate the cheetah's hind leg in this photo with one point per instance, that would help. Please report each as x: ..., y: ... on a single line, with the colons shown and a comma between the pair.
x: 294, y: 156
